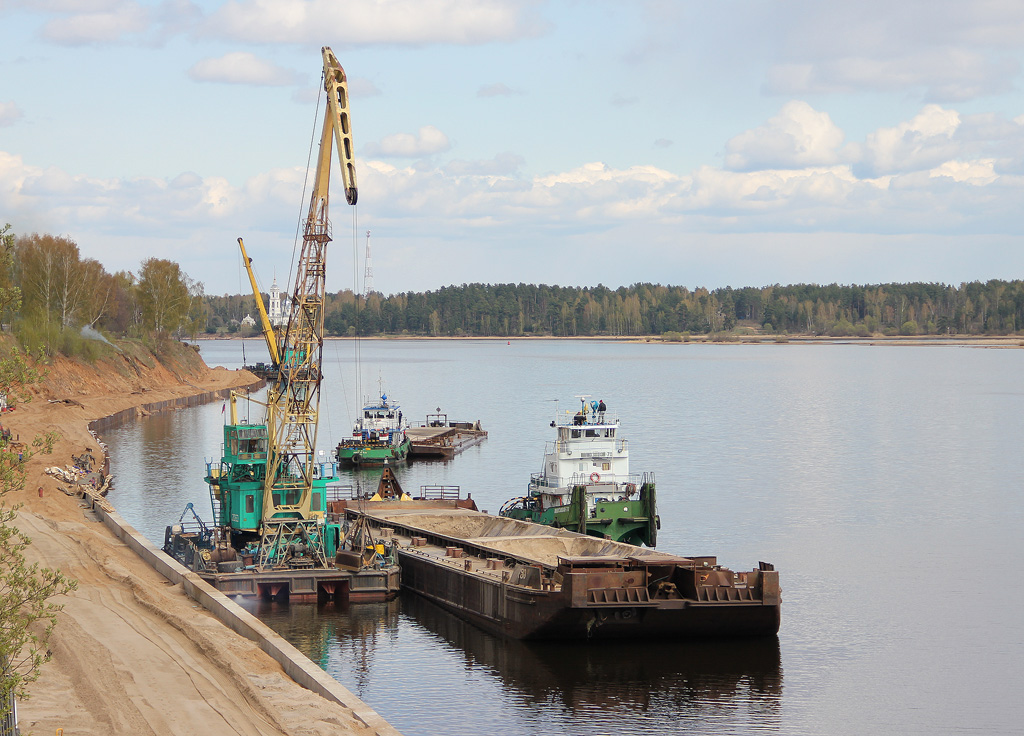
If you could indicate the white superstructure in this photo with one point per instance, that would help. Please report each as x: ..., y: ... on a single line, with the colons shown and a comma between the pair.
x: 588, y: 451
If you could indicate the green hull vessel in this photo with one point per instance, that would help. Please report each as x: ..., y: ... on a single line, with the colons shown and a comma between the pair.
x: 366, y: 454
x: 628, y: 520
x: 378, y: 436
x: 586, y: 485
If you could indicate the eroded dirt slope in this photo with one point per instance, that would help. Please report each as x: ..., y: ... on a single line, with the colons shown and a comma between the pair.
x: 131, y: 653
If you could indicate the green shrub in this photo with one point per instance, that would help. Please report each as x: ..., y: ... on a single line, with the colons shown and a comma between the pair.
x: 842, y: 328
x: 909, y: 328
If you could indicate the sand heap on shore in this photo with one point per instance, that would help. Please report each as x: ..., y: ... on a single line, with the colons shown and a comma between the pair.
x: 132, y: 653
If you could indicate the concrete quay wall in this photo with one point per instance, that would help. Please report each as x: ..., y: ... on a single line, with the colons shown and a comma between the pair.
x: 297, y: 665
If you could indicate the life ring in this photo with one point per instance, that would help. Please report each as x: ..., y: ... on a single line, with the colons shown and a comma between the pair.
x: 595, y: 477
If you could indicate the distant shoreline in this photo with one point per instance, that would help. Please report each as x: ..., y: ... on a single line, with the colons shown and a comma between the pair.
x: 987, y: 341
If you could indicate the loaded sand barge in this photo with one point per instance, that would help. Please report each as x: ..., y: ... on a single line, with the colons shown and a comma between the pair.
x: 528, y: 581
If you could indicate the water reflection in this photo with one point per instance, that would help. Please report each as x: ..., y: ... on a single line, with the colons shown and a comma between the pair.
x: 620, y: 687
x: 874, y: 479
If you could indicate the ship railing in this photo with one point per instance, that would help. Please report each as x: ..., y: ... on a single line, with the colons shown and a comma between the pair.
x: 584, y: 479
x: 539, y: 483
x: 325, y: 470
x: 537, y: 480
x: 340, y: 492
x: 440, y: 493
x: 591, y: 419
x: 553, y: 446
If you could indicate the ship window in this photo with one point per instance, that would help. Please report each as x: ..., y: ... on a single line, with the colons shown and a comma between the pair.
x: 611, y: 432
x: 576, y: 433
x: 606, y: 466
x: 583, y: 466
x: 250, y: 503
x: 591, y: 433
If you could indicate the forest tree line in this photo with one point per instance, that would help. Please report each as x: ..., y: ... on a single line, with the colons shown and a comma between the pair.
x: 50, y: 296
x: 509, y: 310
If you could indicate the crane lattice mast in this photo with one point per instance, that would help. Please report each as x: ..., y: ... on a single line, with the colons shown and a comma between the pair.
x: 294, y: 398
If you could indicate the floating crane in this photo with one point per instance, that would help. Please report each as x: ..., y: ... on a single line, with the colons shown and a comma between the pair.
x: 289, y: 508
x: 268, y: 493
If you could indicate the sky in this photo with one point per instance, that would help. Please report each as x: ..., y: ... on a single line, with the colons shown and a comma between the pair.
x: 732, y: 143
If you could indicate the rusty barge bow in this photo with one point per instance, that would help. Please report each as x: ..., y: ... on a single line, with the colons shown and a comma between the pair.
x: 528, y: 581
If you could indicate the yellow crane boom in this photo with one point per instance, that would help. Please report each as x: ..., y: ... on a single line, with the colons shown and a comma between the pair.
x: 268, y: 329
x: 294, y: 398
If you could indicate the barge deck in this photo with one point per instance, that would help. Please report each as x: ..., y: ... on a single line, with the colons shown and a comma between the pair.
x: 441, y: 439
x: 528, y: 581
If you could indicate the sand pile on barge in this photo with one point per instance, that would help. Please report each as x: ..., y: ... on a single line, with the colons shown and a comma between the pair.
x: 131, y: 653
x: 545, y: 544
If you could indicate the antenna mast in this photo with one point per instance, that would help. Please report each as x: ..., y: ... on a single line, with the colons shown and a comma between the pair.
x: 368, y: 272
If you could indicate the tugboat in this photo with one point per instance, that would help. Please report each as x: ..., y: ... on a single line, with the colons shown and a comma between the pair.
x: 378, y: 436
x: 585, y: 485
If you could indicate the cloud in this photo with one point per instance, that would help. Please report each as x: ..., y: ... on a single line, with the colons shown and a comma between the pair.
x: 414, y: 22
x: 663, y: 143
x: 504, y: 164
x: 943, y: 75
x: 96, y: 23
x: 241, y: 67
x: 799, y: 136
x: 498, y: 89
x: 69, y: 6
x: 939, y: 173
x: 940, y: 50
x: 10, y: 113
x: 429, y: 140
x: 925, y: 141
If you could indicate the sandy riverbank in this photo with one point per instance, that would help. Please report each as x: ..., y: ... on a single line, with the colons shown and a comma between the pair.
x: 132, y: 653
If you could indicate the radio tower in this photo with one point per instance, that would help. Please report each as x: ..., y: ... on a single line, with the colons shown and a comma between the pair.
x: 368, y: 273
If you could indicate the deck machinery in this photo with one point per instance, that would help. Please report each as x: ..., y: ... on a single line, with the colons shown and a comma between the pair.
x: 268, y: 493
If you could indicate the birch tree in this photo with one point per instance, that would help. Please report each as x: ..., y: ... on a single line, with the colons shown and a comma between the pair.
x: 164, y: 297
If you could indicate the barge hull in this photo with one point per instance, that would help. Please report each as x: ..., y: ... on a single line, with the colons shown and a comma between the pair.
x: 526, y: 581
x: 508, y: 610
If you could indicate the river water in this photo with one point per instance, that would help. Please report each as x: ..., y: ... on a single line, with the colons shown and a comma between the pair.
x: 884, y: 483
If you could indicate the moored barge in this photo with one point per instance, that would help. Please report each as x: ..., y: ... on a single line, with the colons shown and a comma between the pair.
x: 441, y: 438
x: 528, y: 581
